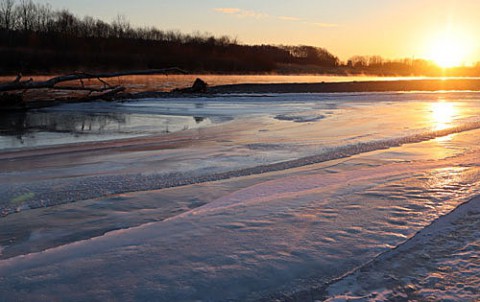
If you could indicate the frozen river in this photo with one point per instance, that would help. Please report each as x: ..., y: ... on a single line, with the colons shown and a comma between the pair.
x: 247, y: 197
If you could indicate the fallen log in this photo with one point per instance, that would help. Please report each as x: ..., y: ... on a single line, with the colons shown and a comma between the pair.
x: 12, y: 93
x: 17, y: 84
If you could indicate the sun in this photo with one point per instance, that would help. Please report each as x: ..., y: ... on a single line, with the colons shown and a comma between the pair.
x: 449, y: 50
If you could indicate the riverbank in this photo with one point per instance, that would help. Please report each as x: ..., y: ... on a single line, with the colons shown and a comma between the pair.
x: 367, y: 86
x: 172, y: 87
x: 154, y: 86
x: 355, y: 86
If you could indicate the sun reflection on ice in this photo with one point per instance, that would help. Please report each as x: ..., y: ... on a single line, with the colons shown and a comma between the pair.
x: 443, y: 114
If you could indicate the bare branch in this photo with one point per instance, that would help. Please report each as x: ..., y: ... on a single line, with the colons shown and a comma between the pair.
x: 107, y: 95
x: 88, y: 89
x: 18, y: 78
x: 105, y: 83
x: 30, y: 84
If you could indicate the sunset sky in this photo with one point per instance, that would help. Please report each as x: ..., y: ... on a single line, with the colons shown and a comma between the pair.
x: 390, y: 28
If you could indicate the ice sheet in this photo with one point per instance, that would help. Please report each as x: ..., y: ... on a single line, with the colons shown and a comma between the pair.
x: 283, y: 223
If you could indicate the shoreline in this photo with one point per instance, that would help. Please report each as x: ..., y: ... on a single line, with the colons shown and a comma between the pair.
x: 364, y: 86
x: 354, y: 86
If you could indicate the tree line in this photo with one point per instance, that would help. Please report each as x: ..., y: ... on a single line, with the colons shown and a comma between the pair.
x: 36, y: 38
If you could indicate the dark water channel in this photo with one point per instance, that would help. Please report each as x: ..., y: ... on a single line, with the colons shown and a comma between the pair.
x: 53, y: 127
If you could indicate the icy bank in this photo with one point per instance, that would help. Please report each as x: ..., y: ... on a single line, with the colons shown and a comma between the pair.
x: 440, y: 263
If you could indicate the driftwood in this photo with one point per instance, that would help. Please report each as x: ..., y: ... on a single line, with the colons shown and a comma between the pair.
x: 18, y: 84
x: 12, y: 93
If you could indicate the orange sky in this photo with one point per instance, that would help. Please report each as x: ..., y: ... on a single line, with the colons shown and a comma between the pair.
x: 389, y: 28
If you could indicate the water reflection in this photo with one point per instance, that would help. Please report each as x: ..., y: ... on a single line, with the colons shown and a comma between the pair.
x: 198, y: 119
x: 40, y: 128
x: 443, y: 114
x: 20, y: 124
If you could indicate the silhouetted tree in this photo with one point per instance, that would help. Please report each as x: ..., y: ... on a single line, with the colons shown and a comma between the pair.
x: 67, y: 24
x: 44, y: 18
x: 6, y: 14
x: 102, y: 29
x: 375, y: 61
x: 121, y: 27
x: 312, y: 55
x: 26, y: 12
x: 359, y: 61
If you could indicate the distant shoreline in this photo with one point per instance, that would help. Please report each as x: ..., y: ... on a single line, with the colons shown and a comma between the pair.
x: 252, y: 89
x: 361, y: 86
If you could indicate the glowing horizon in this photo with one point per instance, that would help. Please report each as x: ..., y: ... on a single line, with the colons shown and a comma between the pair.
x: 450, y: 47
x: 430, y: 29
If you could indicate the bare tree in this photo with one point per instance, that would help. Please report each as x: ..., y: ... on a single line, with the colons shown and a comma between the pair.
x: 359, y: 61
x: 156, y: 34
x: 375, y: 60
x: 26, y: 11
x: 121, y: 26
x: 173, y: 36
x: 44, y: 17
x: 67, y: 23
x: 102, y: 29
x: 87, y: 27
x: 6, y: 14
x: 224, y: 41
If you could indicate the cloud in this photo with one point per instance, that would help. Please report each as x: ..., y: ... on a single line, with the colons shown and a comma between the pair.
x: 324, y: 25
x: 242, y: 13
x: 227, y: 10
x: 287, y: 18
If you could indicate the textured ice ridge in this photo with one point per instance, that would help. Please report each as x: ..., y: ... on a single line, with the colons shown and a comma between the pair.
x: 41, y: 194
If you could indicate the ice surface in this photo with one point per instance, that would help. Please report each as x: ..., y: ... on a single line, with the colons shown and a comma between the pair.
x: 441, y: 263
x: 254, y: 142
x: 290, y: 232
x: 258, y: 208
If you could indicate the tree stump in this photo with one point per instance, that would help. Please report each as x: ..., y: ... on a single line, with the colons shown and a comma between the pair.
x: 199, y: 86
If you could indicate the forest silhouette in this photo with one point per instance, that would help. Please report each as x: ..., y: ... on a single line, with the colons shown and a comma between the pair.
x: 36, y: 39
